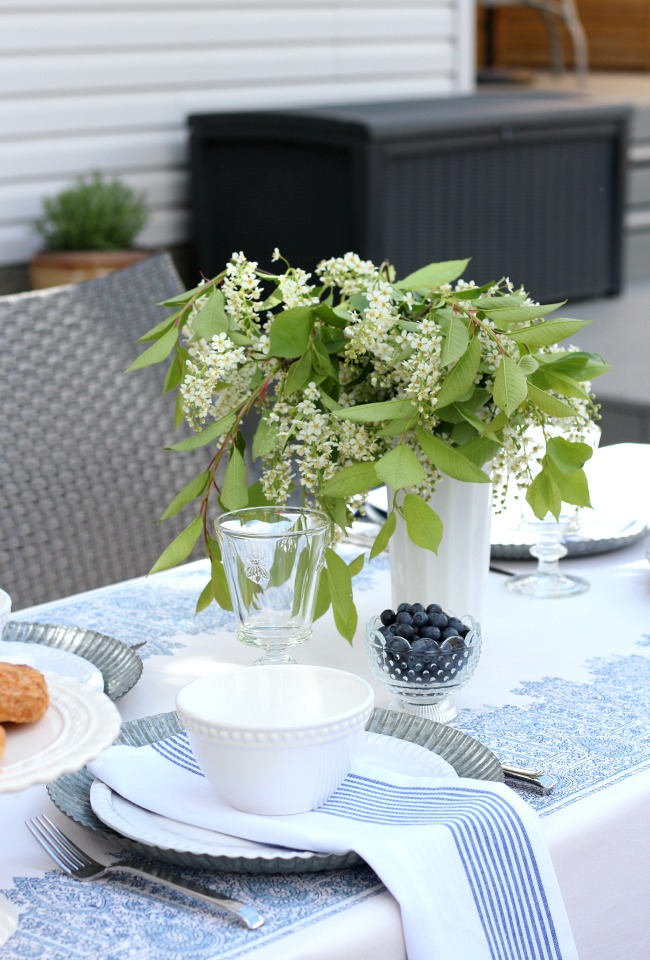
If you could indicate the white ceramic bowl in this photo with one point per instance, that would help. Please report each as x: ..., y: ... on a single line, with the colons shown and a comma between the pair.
x: 5, y: 609
x: 276, y: 739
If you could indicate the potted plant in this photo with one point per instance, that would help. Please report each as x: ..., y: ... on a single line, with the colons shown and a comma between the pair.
x: 356, y: 379
x: 88, y: 230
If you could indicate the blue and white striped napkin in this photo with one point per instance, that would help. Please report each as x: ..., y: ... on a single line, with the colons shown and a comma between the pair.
x: 465, y: 859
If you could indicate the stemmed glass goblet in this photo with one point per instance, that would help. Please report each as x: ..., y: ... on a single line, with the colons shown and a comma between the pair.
x: 272, y: 558
x: 547, y: 581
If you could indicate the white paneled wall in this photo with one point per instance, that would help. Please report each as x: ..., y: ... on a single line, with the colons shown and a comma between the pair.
x: 108, y: 84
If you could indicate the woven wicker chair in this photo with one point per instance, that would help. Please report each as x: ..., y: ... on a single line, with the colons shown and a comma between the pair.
x: 84, y: 474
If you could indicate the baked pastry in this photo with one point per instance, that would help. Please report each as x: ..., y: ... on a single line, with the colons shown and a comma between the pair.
x: 24, y: 696
x: 3, y: 740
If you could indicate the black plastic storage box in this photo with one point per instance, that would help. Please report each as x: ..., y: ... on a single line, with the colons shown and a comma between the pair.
x: 529, y: 186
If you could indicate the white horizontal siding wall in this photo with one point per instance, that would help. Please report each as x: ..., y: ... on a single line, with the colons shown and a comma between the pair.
x: 108, y: 84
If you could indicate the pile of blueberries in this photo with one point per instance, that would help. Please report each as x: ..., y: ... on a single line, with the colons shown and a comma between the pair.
x: 422, y: 644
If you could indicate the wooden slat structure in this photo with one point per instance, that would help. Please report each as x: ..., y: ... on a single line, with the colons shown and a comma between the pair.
x: 618, y: 36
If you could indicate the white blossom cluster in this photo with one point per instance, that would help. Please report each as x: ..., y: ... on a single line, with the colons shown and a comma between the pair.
x: 392, y: 343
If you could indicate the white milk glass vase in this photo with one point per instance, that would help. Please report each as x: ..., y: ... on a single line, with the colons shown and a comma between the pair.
x: 455, y: 577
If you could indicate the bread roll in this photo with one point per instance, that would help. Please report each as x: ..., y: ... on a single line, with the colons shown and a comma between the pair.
x: 24, y: 697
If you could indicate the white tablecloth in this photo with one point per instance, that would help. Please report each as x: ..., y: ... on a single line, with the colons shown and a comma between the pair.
x: 562, y: 685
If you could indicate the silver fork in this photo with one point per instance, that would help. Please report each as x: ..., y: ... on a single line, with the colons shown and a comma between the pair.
x: 79, y: 865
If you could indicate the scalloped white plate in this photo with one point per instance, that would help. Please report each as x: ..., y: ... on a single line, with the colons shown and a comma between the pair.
x: 79, y: 723
x: 136, y: 823
x: 51, y: 658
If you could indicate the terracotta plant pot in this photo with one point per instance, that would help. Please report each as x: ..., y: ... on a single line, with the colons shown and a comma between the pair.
x: 54, y: 268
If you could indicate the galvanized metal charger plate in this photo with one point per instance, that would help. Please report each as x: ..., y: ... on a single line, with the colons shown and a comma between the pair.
x: 118, y: 663
x: 598, y: 534
x: 468, y: 757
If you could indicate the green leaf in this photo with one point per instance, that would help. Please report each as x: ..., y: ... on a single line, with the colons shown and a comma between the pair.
x: 180, y: 548
x: 574, y: 488
x: 220, y: 588
x: 504, y: 316
x: 510, y: 386
x: 395, y: 428
x: 206, y: 597
x: 547, y: 332
x: 498, y: 423
x: 350, y: 481
x: 298, y: 374
x: 463, y: 409
x: 323, y: 600
x: 183, y: 298
x: 377, y: 412
x: 195, y: 488
x: 528, y: 364
x: 448, y: 459
x: 434, y: 275
x: 399, y: 468
x: 256, y: 496
x: 567, y: 455
x: 567, y: 386
x: 327, y: 401
x: 234, y: 494
x: 326, y: 313
x: 383, y: 537
x: 265, y: 439
x: 336, y: 509
x: 340, y: 589
x: 356, y: 566
x: 455, y: 341
x: 175, y: 373
x: 543, y: 495
x: 208, y: 435
x: 321, y: 360
x: 156, y: 332
x: 423, y: 524
x: 157, y: 352
x: 290, y: 332
x: 211, y: 318
x: 461, y: 376
x: 549, y: 404
x: 577, y: 364
x: 480, y: 450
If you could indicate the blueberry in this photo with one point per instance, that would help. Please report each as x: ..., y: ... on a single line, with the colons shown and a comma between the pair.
x: 434, y: 608
x: 420, y: 644
x: 449, y: 632
x: 404, y: 617
x: 420, y: 618
x: 418, y: 607
x: 438, y: 620
x: 405, y: 630
x: 430, y: 633
x: 456, y: 624
x: 398, y: 645
x: 405, y: 607
x: 387, y: 617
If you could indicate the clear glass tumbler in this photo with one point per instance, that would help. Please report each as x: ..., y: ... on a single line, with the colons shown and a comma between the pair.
x: 273, y: 557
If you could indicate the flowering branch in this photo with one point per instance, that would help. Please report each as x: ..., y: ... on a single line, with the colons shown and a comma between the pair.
x: 356, y: 379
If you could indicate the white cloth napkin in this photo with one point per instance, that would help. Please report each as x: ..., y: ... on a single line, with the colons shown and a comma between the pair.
x: 465, y: 859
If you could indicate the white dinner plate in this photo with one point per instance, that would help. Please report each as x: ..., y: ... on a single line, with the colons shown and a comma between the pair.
x: 50, y: 658
x: 79, y: 723
x: 118, y: 663
x: 136, y: 823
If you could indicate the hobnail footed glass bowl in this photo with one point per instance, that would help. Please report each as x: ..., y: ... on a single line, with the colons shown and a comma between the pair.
x: 422, y: 681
